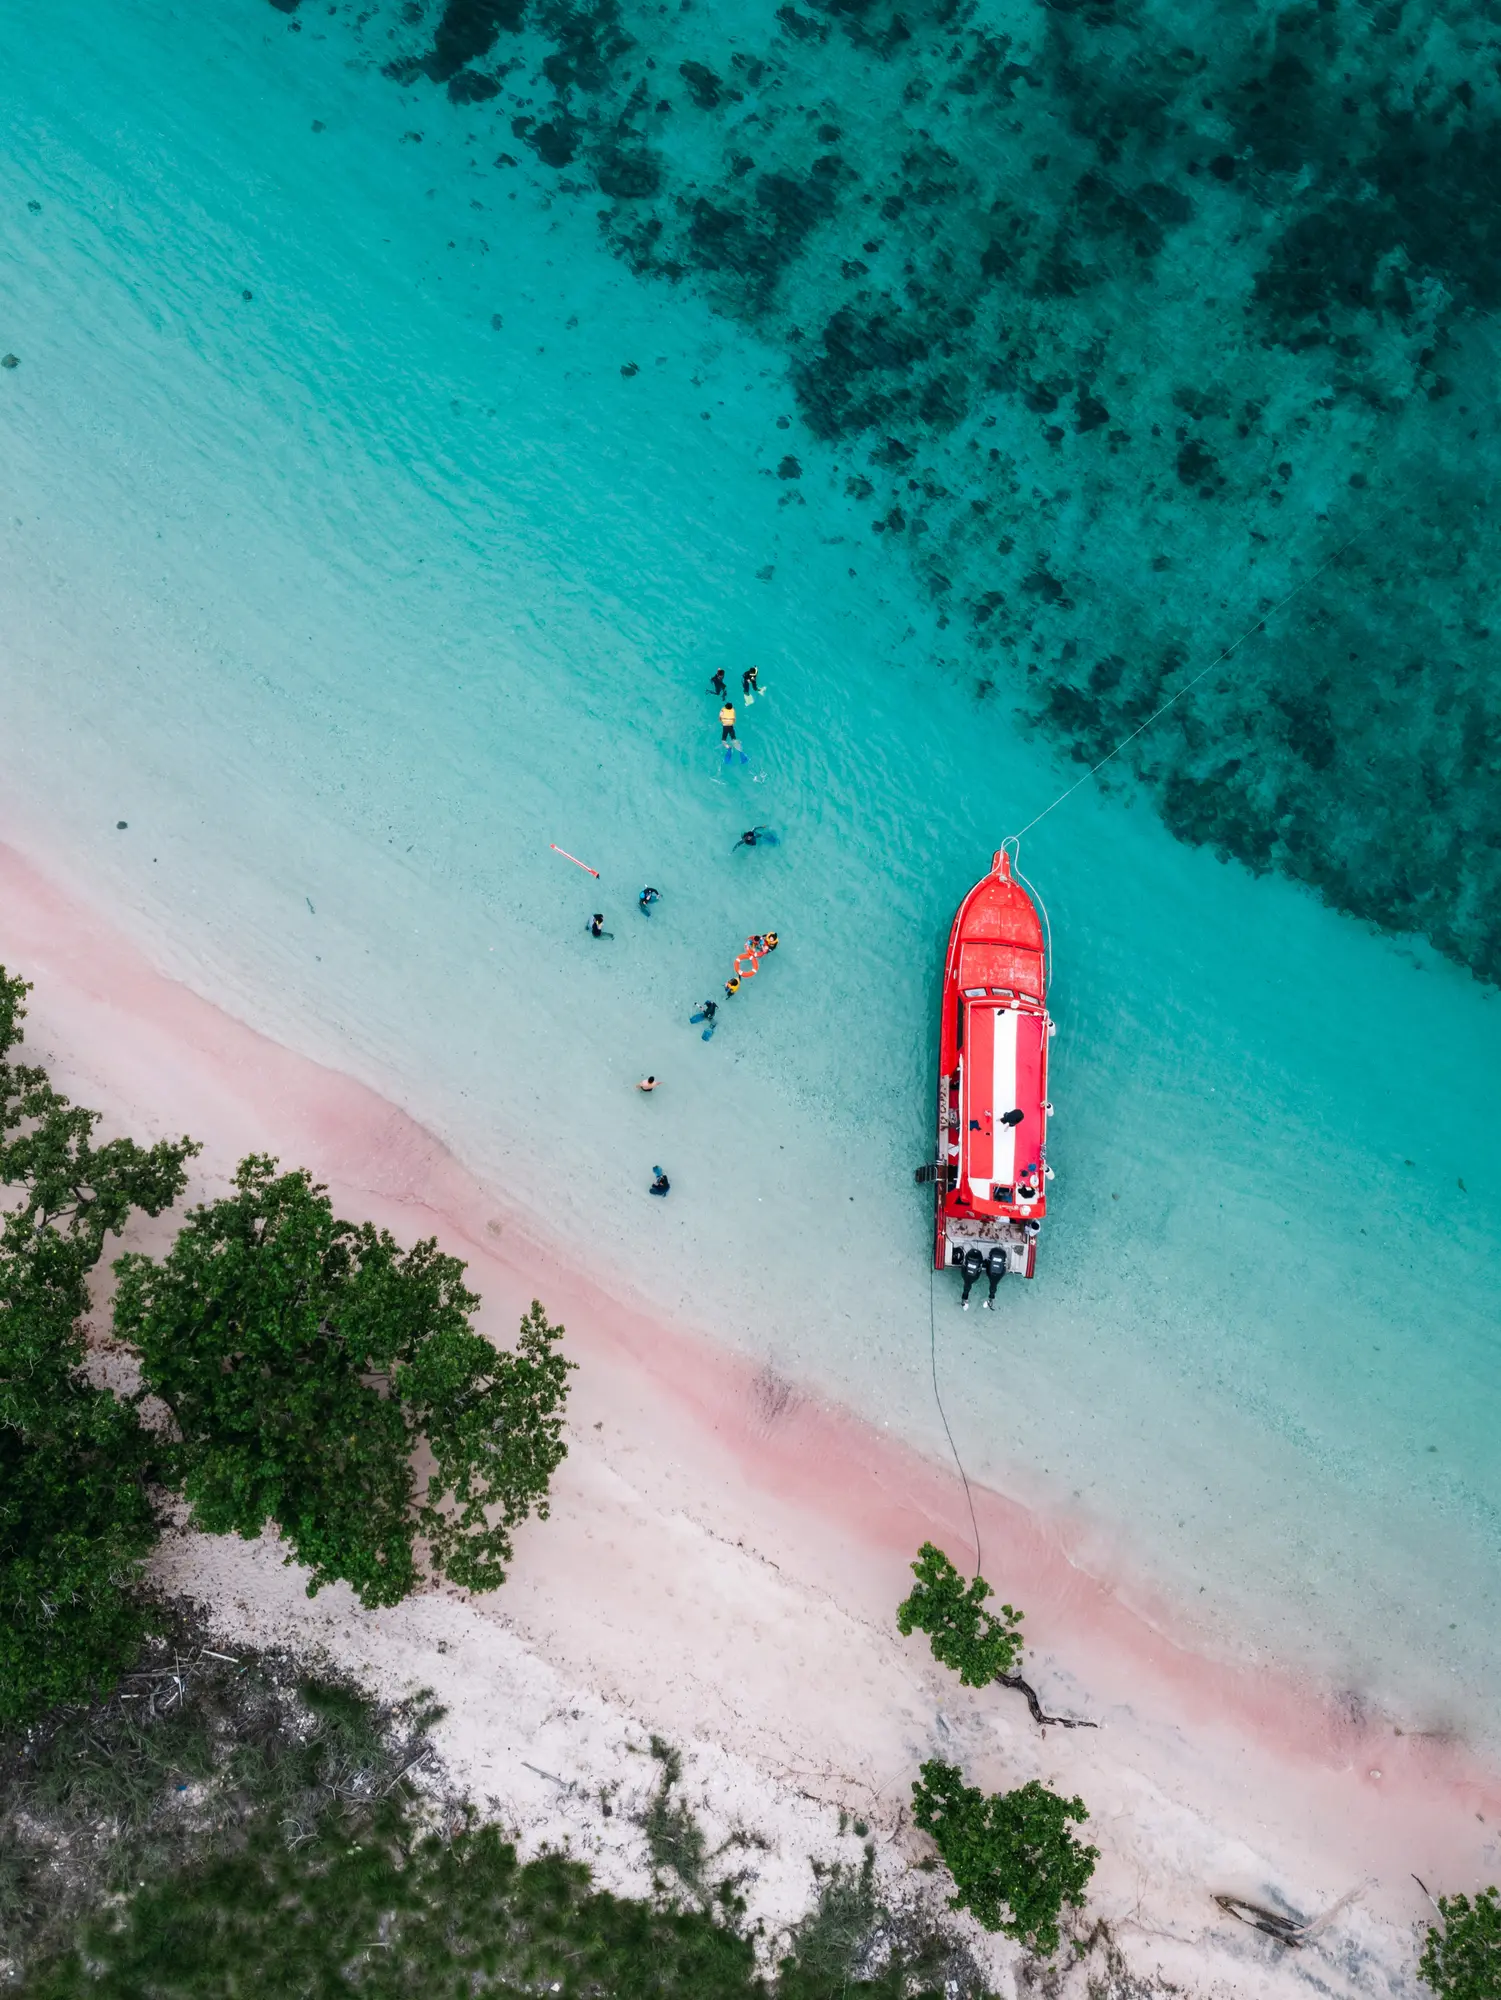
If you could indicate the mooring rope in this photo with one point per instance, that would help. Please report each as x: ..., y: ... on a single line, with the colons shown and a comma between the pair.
x: 948, y: 1433
x: 1218, y: 660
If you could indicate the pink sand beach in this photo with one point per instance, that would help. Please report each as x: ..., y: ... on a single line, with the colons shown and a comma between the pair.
x: 726, y: 1551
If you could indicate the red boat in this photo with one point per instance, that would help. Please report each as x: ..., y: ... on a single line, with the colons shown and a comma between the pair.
x: 990, y: 1171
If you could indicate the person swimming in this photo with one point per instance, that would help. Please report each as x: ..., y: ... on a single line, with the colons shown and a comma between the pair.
x: 647, y: 1083
x: 661, y: 1184
x: 732, y: 986
x: 717, y: 686
x: 707, y: 1009
x: 750, y: 687
x: 756, y: 836
x: 727, y: 734
x: 645, y: 900
x: 596, y: 926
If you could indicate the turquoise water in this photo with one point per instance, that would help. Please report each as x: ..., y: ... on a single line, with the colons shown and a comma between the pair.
x: 352, y: 595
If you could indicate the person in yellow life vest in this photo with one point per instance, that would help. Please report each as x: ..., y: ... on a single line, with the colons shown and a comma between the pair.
x: 770, y: 941
x: 727, y: 734
x: 731, y: 988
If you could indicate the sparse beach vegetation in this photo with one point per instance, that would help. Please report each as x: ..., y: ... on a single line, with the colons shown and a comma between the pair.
x: 223, y: 1820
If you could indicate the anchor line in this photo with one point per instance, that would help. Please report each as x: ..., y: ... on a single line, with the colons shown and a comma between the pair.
x: 1218, y: 660
x: 938, y: 1399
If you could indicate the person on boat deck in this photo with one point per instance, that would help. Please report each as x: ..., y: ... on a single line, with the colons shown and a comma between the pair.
x: 717, y: 685
x: 597, y: 925
x: 995, y: 1270
x: 661, y: 1184
x: 749, y: 685
x: 647, y: 1083
x: 1012, y: 1117
x: 972, y: 1266
x: 645, y: 900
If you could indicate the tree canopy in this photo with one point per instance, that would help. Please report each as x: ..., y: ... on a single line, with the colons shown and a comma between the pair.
x: 306, y: 1360
x: 1462, y: 1953
x: 76, y: 1518
x: 306, y: 1363
x: 965, y: 1636
x: 1013, y: 1857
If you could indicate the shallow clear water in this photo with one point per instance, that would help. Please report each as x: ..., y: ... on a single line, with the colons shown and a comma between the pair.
x: 350, y: 600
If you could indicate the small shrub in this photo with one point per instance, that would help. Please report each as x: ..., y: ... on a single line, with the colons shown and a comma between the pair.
x: 1462, y: 1956
x: 965, y: 1636
x: 674, y: 1838
x: 1014, y: 1860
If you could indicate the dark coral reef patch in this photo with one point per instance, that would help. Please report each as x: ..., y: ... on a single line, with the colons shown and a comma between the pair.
x: 1130, y: 345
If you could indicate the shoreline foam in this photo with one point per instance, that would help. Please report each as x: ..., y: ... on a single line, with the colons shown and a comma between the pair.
x: 713, y: 1516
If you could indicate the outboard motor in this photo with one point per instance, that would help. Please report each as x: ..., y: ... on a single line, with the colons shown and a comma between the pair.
x: 997, y: 1264
x: 972, y: 1266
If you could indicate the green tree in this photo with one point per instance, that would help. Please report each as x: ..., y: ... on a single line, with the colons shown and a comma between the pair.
x: 77, y: 1525
x: 305, y: 1360
x: 1462, y: 1955
x: 1013, y: 1857
x: 980, y: 1647
x: 76, y: 1518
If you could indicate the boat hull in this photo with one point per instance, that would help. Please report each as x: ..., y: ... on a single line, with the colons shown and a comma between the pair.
x: 990, y: 1171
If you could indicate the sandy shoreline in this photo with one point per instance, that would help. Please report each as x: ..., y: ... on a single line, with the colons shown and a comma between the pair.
x: 725, y: 1555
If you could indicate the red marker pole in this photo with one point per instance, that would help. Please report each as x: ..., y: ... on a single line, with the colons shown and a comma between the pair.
x: 574, y: 859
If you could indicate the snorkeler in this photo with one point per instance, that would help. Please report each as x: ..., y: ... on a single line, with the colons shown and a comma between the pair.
x: 972, y: 1266
x: 727, y: 734
x: 645, y: 900
x: 596, y: 926
x: 661, y: 1184
x: 732, y: 986
x: 756, y: 836
x: 707, y: 1009
x: 750, y: 687
x: 717, y: 686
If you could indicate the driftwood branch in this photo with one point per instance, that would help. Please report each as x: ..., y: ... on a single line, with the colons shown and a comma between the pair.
x: 1286, y: 1930
x: 1043, y: 1720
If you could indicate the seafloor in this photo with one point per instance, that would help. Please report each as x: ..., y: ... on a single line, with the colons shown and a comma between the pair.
x: 1129, y: 320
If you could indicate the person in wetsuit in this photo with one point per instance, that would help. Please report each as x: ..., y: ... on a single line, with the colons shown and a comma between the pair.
x: 753, y: 834
x: 717, y: 686
x: 645, y: 900
x: 972, y: 1266
x: 661, y: 1184
x: 749, y: 686
x: 597, y: 926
